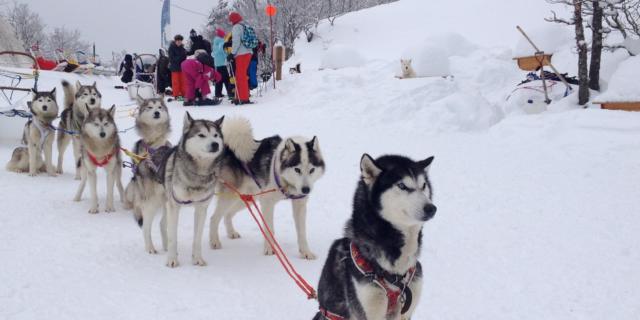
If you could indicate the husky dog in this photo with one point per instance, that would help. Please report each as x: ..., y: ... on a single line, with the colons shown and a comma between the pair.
x: 295, y: 69
x: 100, y: 147
x: 78, y: 102
x: 185, y: 175
x: 153, y: 125
x: 291, y: 166
x: 407, y: 69
x: 373, y: 272
x: 38, y: 136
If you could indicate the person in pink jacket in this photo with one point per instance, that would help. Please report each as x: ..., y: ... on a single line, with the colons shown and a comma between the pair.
x: 197, y: 74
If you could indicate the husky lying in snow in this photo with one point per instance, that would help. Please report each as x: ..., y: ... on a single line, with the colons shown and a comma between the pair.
x: 38, y: 137
x: 407, y: 69
x: 78, y: 102
x: 100, y: 147
x: 373, y: 272
x: 290, y: 165
x: 153, y: 124
x: 185, y: 175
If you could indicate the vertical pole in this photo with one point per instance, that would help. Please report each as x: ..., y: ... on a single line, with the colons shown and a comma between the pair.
x: 272, y: 52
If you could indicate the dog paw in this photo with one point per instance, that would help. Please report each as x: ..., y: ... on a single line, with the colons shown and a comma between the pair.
x: 268, y: 251
x: 308, y: 255
x: 233, y: 235
x: 52, y: 174
x: 33, y: 174
x: 59, y: 171
x: 151, y: 250
x: 172, y: 262
x: 94, y: 210
x: 110, y: 208
x: 198, y: 261
x: 215, y: 245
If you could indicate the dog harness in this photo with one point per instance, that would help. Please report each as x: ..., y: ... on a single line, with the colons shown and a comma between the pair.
x: 250, y: 172
x: 282, y: 189
x: 400, y: 297
x: 188, y: 202
x: 44, y: 132
x: 105, y: 160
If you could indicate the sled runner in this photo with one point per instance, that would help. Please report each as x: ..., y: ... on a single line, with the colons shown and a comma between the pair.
x: 15, y: 83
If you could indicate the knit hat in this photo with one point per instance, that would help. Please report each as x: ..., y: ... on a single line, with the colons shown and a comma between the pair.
x: 220, y: 33
x: 235, y: 17
x: 193, y: 33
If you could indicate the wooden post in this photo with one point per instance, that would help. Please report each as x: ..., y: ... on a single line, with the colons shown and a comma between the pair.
x: 279, y: 57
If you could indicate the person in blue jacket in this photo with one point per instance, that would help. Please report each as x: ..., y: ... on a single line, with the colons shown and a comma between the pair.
x: 220, y: 61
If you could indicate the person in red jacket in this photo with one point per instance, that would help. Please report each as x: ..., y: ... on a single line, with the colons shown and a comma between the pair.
x: 242, y: 56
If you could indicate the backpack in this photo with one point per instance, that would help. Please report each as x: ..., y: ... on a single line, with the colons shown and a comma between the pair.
x: 249, y: 38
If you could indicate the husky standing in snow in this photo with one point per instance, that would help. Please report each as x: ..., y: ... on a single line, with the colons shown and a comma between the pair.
x: 407, y: 69
x: 291, y: 166
x: 185, y: 175
x: 373, y: 272
x: 38, y: 136
x: 153, y: 124
x: 100, y: 147
x: 78, y: 102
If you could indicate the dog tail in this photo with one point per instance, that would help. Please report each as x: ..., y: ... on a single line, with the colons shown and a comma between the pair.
x: 238, y: 136
x: 69, y: 94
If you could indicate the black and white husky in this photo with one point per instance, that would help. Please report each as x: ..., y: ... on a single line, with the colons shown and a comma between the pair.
x: 153, y: 124
x: 100, y: 148
x: 185, y: 175
x: 373, y: 272
x: 38, y: 137
x: 78, y: 102
x: 290, y: 165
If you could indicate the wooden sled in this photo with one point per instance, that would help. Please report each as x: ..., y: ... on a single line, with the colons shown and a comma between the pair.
x: 625, y: 106
x: 533, y: 63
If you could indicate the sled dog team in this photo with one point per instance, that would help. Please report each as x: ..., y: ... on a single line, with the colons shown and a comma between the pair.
x: 371, y: 273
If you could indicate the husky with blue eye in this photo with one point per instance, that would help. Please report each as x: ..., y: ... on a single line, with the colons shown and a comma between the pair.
x: 290, y: 166
x: 373, y: 272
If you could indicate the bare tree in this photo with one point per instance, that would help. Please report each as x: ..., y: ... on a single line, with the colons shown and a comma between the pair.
x: 27, y: 24
x: 66, y: 40
x: 583, y: 73
x: 597, y: 34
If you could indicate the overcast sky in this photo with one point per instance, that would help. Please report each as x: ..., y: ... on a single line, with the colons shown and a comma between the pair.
x: 114, y: 25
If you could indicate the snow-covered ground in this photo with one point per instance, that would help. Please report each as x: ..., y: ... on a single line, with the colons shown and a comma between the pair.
x: 537, y: 214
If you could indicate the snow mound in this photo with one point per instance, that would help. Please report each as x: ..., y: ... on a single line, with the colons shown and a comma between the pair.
x: 550, y: 38
x: 428, y: 60
x: 341, y: 56
x: 462, y: 112
x: 623, y: 85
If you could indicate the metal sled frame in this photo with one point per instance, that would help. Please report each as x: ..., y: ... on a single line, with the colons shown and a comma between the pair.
x: 17, y: 77
x: 151, y: 75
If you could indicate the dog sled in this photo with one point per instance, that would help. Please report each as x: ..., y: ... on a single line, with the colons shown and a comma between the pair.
x: 144, y: 84
x: 18, y: 77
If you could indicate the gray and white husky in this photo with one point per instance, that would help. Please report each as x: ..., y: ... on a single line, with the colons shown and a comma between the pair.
x: 78, y: 102
x: 184, y: 175
x: 373, y: 272
x: 38, y: 136
x: 100, y: 147
x: 153, y: 124
x: 290, y: 165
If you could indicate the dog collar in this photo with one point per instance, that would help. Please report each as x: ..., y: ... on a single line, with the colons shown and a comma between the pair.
x: 283, y: 190
x: 105, y: 160
x: 401, y: 297
x: 188, y: 202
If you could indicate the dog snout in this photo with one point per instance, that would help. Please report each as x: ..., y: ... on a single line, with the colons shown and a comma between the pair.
x: 92, y: 101
x: 156, y: 114
x: 428, y: 211
x: 44, y: 108
x: 306, y: 190
x: 102, y: 134
x: 214, y: 147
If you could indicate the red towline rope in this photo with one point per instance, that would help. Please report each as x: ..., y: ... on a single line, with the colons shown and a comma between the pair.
x: 250, y: 203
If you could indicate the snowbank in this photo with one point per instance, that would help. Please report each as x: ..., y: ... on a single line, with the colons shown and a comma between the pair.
x: 427, y: 61
x: 341, y: 56
x: 623, y: 85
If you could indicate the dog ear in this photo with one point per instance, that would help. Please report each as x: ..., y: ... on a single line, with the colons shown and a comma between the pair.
x: 314, y: 145
x: 112, y: 111
x: 94, y: 85
x: 218, y: 122
x: 409, y: 61
x: 425, y: 164
x: 369, y: 169
x: 53, y: 93
x: 29, y: 106
x: 139, y: 100
x: 290, y: 145
x: 78, y: 85
x: 188, y: 120
x: 34, y: 93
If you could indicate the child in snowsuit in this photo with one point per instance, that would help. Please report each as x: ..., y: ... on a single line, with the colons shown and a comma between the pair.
x: 220, y: 59
x: 196, y: 77
x: 177, y: 54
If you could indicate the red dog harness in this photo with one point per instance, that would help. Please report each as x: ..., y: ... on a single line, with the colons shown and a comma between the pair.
x: 395, y: 286
x: 104, y: 160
